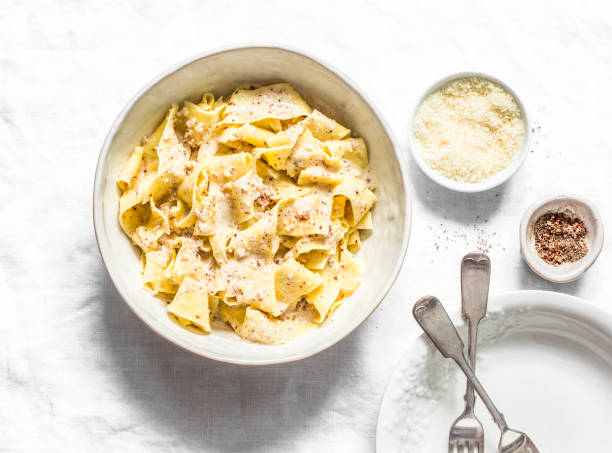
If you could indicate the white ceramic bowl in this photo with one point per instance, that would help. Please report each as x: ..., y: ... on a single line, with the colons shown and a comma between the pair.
x: 573, y: 206
x: 496, y: 179
x: 324, y: 88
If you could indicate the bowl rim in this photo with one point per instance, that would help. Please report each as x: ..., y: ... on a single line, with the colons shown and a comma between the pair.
x: 97, y: 199
x: 496, y: 179
x: 540, y: 267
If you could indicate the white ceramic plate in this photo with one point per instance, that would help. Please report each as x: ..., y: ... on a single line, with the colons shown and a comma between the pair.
x: 220, y: 71
x: 546, y: 360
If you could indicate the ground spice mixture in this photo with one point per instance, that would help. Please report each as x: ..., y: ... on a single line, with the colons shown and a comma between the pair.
x: 560, y: 239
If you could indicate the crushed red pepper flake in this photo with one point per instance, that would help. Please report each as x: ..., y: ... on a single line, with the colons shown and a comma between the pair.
x: 560, y: 238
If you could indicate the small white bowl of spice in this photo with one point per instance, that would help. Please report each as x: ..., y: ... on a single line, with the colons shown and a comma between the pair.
x: 470, y: 132
x: 561, y: 237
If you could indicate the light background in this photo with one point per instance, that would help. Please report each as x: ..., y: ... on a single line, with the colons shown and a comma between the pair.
x: 79, y: 371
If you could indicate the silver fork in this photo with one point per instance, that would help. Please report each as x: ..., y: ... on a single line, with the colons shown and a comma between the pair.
x: 431, y: 316
x: 466, y: 432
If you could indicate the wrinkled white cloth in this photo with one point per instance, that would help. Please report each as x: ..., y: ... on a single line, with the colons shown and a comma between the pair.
x: 79, y: 371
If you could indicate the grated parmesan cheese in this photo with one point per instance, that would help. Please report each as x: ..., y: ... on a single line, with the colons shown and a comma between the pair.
x: 469, y: 130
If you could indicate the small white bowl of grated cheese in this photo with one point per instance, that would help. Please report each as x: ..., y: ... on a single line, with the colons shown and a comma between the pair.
x: 469, y: 132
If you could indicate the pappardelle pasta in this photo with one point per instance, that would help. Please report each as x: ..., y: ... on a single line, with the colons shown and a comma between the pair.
x: 248, y: 211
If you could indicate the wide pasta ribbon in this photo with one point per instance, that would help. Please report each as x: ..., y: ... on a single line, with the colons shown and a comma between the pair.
x: 249, y: 209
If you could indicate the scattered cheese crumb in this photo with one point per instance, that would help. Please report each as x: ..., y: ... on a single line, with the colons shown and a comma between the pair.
x: 469, y: 130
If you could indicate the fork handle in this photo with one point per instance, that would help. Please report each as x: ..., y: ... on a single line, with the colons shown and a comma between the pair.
x: 435, y: 322
x: 475, y: 276
x: 470, y: 396
x: 498, y: 417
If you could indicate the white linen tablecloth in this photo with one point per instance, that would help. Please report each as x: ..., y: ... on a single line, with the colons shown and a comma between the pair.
x: 79, y: 371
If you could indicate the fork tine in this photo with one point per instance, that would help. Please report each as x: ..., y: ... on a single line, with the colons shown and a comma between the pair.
x: 451, y: 446
x: 481, y: 447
